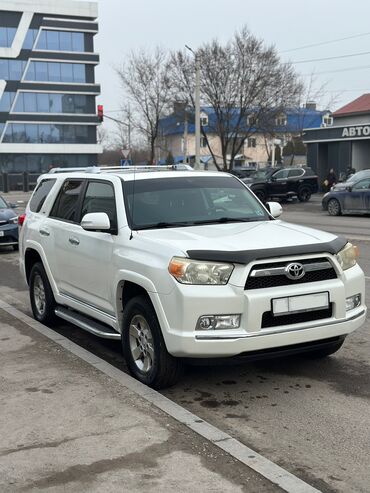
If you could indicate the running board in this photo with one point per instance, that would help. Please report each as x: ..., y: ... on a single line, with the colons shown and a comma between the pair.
x: 86, y: 323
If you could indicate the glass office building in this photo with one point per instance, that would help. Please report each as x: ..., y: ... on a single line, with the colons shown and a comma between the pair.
x: 47, y: 85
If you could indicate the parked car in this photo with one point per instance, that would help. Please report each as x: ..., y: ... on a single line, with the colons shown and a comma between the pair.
x: 8, y: 224
x: 351, y: 197
x: 184, y: 264
x: 283, y: 183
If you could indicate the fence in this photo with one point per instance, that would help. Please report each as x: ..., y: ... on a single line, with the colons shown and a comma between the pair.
x: 11, y: 182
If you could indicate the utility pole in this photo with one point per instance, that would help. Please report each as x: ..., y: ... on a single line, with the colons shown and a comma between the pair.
x: 185, y: 137
x: 197, y: 107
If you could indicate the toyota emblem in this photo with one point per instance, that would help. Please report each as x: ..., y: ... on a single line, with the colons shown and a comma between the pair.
x: 294, y: 271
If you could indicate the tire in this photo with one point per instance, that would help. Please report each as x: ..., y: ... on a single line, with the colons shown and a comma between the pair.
x: 325, y: 351
x: 334, y: 208
x: 304, y: 194
x: 16, y: 247
x: 261, y: 195
x: 41, y: 296
x: 144, y: 348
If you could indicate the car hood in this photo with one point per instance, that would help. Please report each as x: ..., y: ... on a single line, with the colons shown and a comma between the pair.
x: 6, y: 214
x: 341, y: 186
x: 235, y: 237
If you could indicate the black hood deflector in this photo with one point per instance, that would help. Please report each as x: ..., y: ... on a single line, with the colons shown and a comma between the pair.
x: 247, y: 256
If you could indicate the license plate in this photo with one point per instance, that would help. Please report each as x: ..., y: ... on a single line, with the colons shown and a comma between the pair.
x: 304, y: 303
x: 2, y: 233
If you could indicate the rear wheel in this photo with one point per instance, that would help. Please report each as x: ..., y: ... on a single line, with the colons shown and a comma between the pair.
x: 334, y: 208
x: 304, y: 194
x: 41, y: 295
x: 325, y: 351
x: 144, y: 349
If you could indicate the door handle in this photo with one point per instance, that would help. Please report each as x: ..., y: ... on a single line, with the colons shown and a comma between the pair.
x: 74, y: 241
x: 44, y: 232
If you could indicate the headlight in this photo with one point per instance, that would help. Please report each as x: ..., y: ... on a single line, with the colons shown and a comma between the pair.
x: 13, y: 220
x: 347, y: 256
x: 189, y: 271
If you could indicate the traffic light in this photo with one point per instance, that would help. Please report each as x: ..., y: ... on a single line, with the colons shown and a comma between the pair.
x: 100, y: 112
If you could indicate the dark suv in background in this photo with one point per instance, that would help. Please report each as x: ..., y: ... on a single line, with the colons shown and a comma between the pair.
x: 283, y: 183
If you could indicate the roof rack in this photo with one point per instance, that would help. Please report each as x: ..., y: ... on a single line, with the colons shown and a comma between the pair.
x: 144, y: 168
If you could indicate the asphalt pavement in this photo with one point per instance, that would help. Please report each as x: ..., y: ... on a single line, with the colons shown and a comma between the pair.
x: 310, y: 417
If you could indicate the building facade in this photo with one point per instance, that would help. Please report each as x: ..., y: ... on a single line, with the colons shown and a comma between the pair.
x: 47, y: 85
x: 343, y: 144
x: 178, y: 137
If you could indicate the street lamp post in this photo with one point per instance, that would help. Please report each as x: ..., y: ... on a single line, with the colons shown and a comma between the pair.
x: 197, y: 108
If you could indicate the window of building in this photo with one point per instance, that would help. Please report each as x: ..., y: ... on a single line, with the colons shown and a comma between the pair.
x: 203, y: 119
x: 54, y: 40
x: 252, y: 120
x: 100, y: 197
x: 251, y: 142
x: 327, y: 120
x: 41, y: 163
x: 30, y: 39
x: 281, y: 120
x: 56, y: 72
x: 203, y: 142
x: 65, y: 206
x: 40, y: 194
x: 6, y: 101
x: 7, y: 35
x: 47, y: 133
x: 11, y: 69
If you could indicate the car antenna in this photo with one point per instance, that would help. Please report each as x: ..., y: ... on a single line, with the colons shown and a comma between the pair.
x: 133, y: 202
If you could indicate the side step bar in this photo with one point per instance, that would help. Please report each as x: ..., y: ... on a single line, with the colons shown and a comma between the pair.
x: 86, y: 323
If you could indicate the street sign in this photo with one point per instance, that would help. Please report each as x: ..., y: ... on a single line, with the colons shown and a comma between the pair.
x: 125, y: 153
x: 126, y: 162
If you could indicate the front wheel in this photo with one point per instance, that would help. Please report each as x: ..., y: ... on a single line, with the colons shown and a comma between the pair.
x: 41, y: 295
x: 304, y: 194
x: 144, y: 349
x: 334, y: 207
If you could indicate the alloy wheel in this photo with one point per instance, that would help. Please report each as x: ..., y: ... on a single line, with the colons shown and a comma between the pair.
x: 141, y: 343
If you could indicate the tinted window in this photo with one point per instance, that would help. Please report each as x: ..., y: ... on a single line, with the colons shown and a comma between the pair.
x: 6, y: 101
x: 40, y: 194
x: 99, y: 197
x: 362, y: 185
x: 280, y: 175
x: 65, y: 207
x: 295, y: 172
x: 3, y: 204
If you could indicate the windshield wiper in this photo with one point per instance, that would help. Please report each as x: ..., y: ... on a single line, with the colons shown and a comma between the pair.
x: 225, y: 220
x: 163, y: 224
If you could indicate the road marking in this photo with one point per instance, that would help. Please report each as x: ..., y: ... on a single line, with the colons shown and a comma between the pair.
x: 266, y: 468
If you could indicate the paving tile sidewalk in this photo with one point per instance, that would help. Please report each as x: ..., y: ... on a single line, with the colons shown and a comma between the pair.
x: 67, y: 427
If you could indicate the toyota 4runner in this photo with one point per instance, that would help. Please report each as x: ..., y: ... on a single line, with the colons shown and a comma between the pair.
x: 181, y: 264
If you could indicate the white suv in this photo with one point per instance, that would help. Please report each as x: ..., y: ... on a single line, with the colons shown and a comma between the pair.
x: 182, y: 264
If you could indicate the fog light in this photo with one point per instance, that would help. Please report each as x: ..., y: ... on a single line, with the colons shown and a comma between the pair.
x: 212, y: 322
x: 353, y: 302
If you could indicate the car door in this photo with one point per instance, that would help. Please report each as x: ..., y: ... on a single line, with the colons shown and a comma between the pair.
x: 91, y: 271
x: 295, y: 179
x: 278, y: 183
x: 356, y: 199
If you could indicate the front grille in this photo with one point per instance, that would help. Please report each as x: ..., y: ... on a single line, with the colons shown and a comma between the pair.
x: 282, y: 280
x: 269, y: 320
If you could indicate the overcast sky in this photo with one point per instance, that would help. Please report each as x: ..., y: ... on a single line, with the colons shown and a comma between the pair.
x: 126, y: 25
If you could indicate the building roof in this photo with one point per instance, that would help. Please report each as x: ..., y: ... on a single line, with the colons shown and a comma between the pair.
x: 359, y: 105
x: 297, y: 120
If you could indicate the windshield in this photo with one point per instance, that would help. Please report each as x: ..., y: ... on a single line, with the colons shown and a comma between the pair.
x: 3, y: 204
x: 188, y: 201
x: 359, y: 175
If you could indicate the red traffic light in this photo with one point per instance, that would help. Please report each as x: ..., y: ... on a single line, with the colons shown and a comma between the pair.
x: 100, y: 112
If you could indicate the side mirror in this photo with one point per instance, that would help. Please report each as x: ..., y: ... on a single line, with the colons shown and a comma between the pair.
x: 96, y: 221
x: 274, y: 209
x: 12, y: 205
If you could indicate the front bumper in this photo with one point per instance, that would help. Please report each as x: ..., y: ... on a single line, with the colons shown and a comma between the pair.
x: 10, y: 235
x: 186, y: 304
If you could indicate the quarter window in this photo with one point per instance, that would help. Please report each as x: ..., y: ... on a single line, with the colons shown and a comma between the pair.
x: 40, y: 194
x: 65, y: 207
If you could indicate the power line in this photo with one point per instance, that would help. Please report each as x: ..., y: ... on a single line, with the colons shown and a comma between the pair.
x: 331, y: 57
x: 348, y: 69
x: 326, y: 42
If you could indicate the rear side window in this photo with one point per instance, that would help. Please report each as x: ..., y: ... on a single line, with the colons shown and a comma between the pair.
x: 40, y: 194
x: 99, y: 197
x: 66, y: 205
x: 295, y: 172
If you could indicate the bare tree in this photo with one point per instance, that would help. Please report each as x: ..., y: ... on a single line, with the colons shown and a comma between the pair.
x: 241, y: 82
x: 146, y: 84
